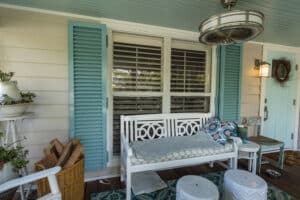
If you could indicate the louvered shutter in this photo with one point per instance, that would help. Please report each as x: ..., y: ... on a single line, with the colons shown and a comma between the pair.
x: 87, y: 60
x: 229, y: 82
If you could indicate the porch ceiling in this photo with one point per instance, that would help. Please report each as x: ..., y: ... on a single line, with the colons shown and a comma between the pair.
x: 282, y: 24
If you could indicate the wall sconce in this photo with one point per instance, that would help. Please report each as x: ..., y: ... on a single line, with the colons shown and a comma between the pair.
x: 263, y: 67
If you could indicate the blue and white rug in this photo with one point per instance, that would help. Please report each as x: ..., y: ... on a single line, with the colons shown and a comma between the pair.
x: 169, y: 193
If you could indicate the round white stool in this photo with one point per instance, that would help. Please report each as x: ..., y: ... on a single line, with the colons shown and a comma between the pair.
x: 196, y: 188
x: 249, y: 151
x: 243, y: 185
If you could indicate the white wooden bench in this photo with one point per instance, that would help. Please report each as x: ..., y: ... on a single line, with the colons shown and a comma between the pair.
x: 156, y: 126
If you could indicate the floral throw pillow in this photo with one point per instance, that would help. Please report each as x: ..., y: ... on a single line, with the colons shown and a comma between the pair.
x: 220, y: 131
x: 212, y: 128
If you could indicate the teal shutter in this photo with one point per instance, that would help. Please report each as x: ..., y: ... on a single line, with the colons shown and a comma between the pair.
x: 87, y: 73
x: 229, y: 82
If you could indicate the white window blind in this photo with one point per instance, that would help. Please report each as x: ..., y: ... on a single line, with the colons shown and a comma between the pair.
x: 188, y: 70
x: 190, y: 78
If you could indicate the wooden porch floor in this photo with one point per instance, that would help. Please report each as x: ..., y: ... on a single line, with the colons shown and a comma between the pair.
x: 288, y: 182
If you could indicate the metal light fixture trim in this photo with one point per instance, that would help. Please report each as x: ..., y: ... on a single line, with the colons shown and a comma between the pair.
x: 231, y: 27
x: 263, y: 67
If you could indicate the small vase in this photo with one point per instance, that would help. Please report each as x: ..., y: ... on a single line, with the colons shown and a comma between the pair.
x: 10, y: 88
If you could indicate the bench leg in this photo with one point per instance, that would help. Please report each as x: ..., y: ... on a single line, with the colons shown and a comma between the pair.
x: 233, y: 163
x: 128, y: 185
x: 254, y: 165
x: 122, y: 177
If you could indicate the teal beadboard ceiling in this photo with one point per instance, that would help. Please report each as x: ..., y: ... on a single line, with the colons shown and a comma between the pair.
x: 282, y: 17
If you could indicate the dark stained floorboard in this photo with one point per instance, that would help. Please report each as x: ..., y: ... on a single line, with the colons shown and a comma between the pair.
x: 288, y: 182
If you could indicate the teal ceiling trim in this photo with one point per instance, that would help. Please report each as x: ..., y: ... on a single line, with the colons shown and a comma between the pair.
x: 282, y: 24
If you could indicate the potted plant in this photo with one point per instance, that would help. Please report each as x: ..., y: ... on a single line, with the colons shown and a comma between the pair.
x: 13, y: 102
x: 12, y: 160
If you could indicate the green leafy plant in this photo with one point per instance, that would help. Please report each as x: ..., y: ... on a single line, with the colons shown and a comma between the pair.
x: 6, y: 76
x: 16, y: 155
x: 27, y: 97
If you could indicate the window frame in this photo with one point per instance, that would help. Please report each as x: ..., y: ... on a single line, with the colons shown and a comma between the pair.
x: 167, y: 41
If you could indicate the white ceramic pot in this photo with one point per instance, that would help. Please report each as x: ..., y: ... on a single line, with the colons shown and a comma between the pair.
x: 13, y: 110
x: 7, y: 173
x: 10, y: 88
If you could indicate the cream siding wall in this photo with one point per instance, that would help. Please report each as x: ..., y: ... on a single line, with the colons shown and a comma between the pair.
x: 250, y: 94
x: 35, y: 47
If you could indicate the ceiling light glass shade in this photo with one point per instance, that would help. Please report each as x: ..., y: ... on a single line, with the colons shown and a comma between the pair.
x: 231, y: 27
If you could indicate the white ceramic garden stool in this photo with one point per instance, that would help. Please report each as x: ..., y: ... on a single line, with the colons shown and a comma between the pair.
x: 249, y: 151
x: 243, y: 185
x: 196, y: 188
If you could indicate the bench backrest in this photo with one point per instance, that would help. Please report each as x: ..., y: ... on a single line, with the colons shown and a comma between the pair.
x: 152, y: 126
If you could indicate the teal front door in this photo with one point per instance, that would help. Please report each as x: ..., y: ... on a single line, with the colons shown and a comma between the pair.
x: 280, y: 102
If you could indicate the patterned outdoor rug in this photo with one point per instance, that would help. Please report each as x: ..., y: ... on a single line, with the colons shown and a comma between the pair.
x: 169, y: 193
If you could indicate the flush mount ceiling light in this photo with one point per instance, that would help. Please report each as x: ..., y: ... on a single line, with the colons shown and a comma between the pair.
x: 231, y: 27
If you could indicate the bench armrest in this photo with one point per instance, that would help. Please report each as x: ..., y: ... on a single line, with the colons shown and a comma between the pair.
x: 50, y: 173
x: 126, y: 146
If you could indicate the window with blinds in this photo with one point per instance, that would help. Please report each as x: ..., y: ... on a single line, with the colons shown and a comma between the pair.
x: 188, y: 70
x: 138, y: 75
x: 136, y: 67
x: 189, y: 80
x: 132, y: 106
x: 137, y: 79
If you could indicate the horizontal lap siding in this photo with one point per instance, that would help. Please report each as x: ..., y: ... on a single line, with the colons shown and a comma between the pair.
x: 34, y: 46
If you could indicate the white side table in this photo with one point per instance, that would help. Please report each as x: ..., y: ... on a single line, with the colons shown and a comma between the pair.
x: 249, y: 151
x: 196, y: 188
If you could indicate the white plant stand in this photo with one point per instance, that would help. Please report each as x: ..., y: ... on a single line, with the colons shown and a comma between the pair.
x: 11, y: 127
x: 11, y: 137
x: 249, y: 151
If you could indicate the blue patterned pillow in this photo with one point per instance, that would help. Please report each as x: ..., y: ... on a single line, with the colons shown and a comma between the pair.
x: 213, y: 129
x: 212, y: 126
x: 220, y: 131
x: 230, y: 128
